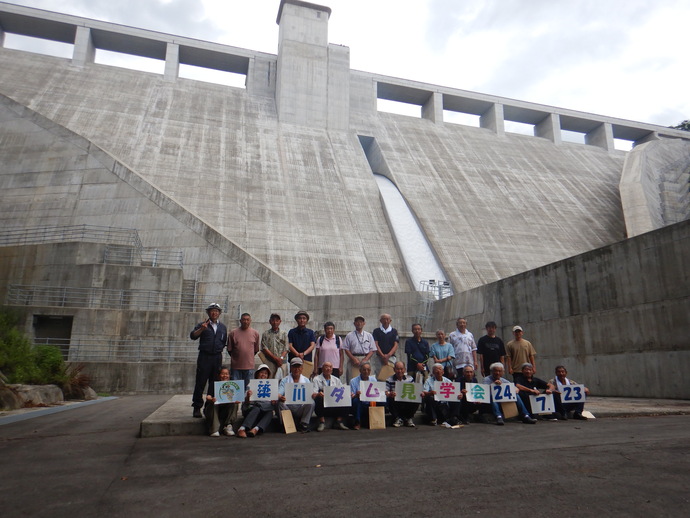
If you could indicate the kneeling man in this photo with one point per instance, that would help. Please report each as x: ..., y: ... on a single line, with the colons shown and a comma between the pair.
x: 562, y: 409
x: 301, y: 412
x: 322, y: 382
x: 496, y: 378
x: 401, y: 411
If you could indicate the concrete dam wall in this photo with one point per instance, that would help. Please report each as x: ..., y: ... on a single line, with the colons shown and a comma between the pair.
x: 266, y: 197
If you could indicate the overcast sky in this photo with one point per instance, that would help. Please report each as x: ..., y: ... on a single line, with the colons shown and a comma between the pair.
x: 621, y: 58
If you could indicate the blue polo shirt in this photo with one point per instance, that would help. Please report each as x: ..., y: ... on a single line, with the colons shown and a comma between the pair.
x: 417, y: 352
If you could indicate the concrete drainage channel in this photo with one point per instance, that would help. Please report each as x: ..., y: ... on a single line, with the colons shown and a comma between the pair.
x: 22, y: 414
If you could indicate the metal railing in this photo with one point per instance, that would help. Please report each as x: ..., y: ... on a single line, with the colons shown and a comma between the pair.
x: 96, y: 298
x: 87, y: 233
x: 123, y: 244
x: 115, y: 254
x: 102, y: 298
x: 116, y: 350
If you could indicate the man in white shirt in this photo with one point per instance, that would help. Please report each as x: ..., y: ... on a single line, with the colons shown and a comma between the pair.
x: 359, y: 408
x: 322, y: 382
x: 464, y: 345
x: 302, y: 412
x: 359, y: 346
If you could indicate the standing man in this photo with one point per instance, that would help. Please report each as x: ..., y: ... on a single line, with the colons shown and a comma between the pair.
x: 465, y: 348
x: 243, y: 344
x: 490, y: 348
x: 401, y: 411
x: 212, y: 336
x: 442, y: 352
x: 417, y: 350
x: 301, y: 340
x: 274, y: 347
x: 359, y: 347
x: 519, y: 351
x: 387, y: 341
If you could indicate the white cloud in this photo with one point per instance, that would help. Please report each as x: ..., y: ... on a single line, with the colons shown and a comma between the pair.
x: 619, y: 58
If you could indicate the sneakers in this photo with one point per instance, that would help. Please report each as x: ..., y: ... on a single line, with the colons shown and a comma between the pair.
x: 215, y: 434
x: 228, y: 431
x: 320, y: 427
x: 339, y: 425
x: 409, y: 423
x: 197, y: 413
x: 303, y: 428
x: 357, y: 426
x: 528, y: 420
x: 446, y: 424
x: 398, y: 422
x: 432, y: 422
x: 578, y: 415
x: 499, y: 421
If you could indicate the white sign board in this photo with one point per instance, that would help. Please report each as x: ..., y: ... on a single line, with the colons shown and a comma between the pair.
x: 372, y: 391
x: 573, y: 394
x: 336, y: 396
x: 503, y: 393
x: 446, y: 391
x: 407, y: 392
x: 263, y: 390
x: 478, y: 393
x: 230, y: 391
x: 297, y: 393
x: 542, y: 404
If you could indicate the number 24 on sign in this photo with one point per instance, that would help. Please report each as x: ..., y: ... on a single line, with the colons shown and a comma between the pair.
x: 503, y: 392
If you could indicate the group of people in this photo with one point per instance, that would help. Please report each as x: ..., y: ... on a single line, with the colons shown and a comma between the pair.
x: 360, y: 357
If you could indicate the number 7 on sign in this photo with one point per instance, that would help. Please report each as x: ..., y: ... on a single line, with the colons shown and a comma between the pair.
x: 542, y: 404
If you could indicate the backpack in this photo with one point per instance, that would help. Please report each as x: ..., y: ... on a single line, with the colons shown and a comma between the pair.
x: 337, y: 340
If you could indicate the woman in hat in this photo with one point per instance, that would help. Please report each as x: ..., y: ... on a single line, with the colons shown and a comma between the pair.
x: 258, y: 413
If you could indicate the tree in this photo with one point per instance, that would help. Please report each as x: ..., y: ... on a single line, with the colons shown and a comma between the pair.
x: 685, y: 125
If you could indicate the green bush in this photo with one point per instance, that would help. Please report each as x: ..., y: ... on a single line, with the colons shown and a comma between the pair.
x: 21, y: 362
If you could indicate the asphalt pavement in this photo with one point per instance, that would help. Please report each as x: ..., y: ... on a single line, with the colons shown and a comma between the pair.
x: 89, y: 461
